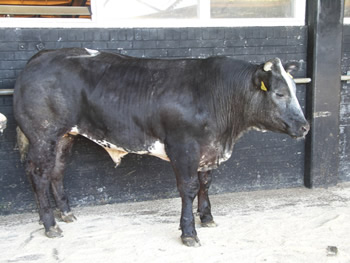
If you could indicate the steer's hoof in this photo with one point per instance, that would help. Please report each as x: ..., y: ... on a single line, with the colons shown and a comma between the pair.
x: 54, y: 232
x: 68, y: 217
x: 209, y: 224
x: 191, y: 241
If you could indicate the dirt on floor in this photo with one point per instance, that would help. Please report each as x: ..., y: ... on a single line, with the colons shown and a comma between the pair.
x: 289, y: 225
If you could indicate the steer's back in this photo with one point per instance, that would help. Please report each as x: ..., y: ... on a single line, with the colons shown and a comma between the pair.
x: 111, y: 96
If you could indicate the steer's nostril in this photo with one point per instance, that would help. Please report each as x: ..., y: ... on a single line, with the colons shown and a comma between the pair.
x: 305, y: 129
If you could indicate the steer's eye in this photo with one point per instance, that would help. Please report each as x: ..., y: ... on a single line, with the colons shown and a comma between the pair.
x: 279, y: 95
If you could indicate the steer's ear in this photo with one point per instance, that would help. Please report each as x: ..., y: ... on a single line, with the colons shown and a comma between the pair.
x: 263, y: 74
x: 292, y: 67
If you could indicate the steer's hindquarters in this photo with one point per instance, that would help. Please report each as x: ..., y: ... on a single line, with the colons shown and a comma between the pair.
x: 40, y: 109
x: 45, y: 163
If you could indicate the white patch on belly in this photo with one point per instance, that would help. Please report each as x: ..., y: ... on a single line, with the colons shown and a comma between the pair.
x: 117, y: 153
x: 157, y: 149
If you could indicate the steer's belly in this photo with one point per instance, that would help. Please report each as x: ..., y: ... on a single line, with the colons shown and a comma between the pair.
x: 155, y: 148
x: 211, y: 157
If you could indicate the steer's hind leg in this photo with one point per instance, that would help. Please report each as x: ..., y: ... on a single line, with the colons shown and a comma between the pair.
x: 204, y: 208
x: 184, y: 159
x: 40, y: 163
x: 63, y: 149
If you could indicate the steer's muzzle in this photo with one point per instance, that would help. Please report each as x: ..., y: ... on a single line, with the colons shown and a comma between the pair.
x: 300, y: 130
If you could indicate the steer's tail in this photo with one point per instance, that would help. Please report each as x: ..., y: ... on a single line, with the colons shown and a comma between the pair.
x: 22, y: 143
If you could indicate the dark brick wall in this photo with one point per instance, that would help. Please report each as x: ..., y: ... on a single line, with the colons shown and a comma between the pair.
x: 344, y: 146
x: 260, y: 161
x: 253, y: 44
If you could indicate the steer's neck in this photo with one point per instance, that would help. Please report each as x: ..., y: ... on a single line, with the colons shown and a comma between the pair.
x: 233, y: 93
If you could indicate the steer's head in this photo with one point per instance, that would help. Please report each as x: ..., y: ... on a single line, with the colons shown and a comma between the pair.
x: 279, y: 109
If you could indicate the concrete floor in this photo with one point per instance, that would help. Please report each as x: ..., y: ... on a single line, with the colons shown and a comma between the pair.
x: 289, y: 225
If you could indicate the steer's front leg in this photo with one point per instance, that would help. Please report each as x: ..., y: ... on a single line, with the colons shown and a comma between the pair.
x: 184, y: 159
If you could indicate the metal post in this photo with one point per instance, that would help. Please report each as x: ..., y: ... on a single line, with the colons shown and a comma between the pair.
x: 325, y: 25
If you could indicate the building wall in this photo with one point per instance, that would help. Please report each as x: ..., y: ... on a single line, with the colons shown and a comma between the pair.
x: 344, y: 145
x: 259, y: 161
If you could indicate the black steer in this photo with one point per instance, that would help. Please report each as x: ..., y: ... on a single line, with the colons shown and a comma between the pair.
x: 186, y: 111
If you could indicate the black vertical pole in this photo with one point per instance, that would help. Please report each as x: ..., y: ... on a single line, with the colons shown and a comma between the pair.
x: 325, y: 28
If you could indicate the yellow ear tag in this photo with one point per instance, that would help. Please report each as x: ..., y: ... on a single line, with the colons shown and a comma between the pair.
x: 263, y: 87
x: 290, y: 75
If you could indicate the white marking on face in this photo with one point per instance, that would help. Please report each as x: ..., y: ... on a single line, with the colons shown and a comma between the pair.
x: 294, y: 100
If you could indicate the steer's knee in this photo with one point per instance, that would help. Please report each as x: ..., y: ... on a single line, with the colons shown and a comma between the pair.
x: 189, y: 188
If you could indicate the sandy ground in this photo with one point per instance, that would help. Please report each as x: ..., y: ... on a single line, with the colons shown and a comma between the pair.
x: 294, y: 225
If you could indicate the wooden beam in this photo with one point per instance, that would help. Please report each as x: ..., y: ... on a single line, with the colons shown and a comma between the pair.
x: 45, y: 10
x: 41, y: 3
x: 325, y: 25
